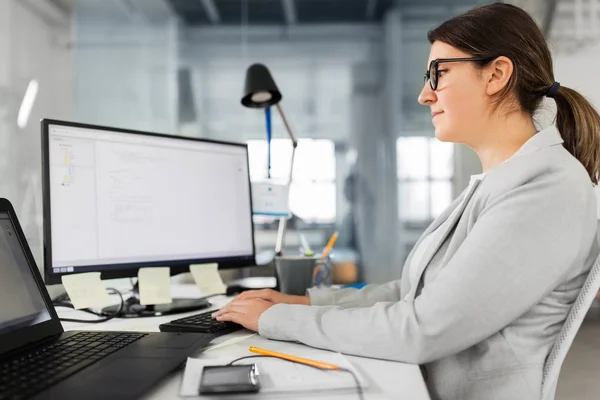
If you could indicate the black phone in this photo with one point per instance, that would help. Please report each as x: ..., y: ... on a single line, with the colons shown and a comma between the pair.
x: 228, y: 379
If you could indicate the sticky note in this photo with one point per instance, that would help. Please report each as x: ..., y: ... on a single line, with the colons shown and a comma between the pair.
x: 86, y: 290
x: 155, y: 285
x: 208, y: 279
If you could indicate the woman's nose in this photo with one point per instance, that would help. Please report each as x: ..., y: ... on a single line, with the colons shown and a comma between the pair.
x: 427, y: 96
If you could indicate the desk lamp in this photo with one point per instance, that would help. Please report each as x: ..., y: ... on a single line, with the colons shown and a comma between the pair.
x: 260, y: 91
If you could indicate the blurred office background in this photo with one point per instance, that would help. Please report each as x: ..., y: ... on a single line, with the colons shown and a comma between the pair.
x: 367, y: 165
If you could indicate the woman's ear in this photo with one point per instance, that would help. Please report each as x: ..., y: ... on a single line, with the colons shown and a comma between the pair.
x: 498, y: 74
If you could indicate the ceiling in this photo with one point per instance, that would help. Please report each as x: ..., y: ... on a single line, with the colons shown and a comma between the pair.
x: 199, y: 13
x: 289, y: 12
x: 281, y: 12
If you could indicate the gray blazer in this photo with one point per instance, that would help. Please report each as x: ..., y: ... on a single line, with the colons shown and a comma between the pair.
x: 490, y: 297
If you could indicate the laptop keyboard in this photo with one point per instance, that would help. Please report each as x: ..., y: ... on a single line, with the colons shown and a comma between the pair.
x: 203, y: 323
x: 31, y: 373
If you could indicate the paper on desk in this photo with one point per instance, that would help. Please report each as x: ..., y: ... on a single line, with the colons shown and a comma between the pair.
x: 236, y: 337
x: 154, y: 285
x: 208, y: 279
x: 279, y: 376
x: 85, y: 290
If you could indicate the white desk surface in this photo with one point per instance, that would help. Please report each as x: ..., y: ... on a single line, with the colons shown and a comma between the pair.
x: 387, y: 380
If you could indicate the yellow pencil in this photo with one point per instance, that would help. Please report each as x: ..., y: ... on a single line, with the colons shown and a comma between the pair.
x: 306, y: 361
x: 326, y: 252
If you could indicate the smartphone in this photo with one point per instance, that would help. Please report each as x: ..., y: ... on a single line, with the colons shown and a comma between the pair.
x: 229, y: 379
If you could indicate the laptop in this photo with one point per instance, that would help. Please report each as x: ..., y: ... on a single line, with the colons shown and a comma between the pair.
x: 38, y: 359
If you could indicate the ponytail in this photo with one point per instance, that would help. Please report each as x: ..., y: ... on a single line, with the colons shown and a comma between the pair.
x: 579, y: 125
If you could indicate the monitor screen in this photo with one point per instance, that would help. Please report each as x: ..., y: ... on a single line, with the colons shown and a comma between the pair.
x: 17, y: 284
x: 120, y: 200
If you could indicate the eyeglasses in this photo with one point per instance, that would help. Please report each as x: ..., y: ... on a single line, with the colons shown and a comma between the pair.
x: 431, y: 74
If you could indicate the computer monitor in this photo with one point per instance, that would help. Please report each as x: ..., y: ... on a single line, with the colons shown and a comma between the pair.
x: 116, y: 200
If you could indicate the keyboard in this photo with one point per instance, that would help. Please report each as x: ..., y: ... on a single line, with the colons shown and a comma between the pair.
x: 202, y: 323
x: 27, y: 374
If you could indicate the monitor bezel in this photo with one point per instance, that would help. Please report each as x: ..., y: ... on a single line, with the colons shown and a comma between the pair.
x: 128, y: 270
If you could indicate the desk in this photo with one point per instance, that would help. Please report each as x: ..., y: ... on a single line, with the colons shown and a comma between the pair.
x: 387, y: 380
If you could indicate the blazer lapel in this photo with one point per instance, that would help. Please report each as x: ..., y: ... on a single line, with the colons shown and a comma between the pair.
x: 434, y: 247
x: 405, y: 283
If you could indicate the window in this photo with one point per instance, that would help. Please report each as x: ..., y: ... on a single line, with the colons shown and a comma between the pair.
x: 425, y: 168
x: 312, y: 191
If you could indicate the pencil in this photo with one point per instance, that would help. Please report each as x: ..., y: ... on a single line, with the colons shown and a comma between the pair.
x: 306, y: 361
x: 329, y: 246
x: 326, y: 252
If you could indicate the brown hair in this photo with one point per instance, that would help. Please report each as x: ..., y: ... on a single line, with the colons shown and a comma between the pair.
x: 501, y: 29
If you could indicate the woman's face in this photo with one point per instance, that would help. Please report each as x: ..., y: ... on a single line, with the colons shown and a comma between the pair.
x: 459, y: 104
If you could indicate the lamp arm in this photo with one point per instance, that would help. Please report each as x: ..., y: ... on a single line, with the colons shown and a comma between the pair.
x: 283, y: 221
x: 287, y: 125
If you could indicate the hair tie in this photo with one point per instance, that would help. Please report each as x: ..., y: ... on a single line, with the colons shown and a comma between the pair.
x: 553, y: 90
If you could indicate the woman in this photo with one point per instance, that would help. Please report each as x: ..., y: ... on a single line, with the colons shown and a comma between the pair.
x: 485, y: 291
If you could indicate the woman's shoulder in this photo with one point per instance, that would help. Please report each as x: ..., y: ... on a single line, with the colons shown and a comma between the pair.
x: 549, y: 179
x: 551, y: 168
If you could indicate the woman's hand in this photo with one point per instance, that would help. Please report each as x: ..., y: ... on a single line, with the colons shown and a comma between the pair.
x: 274, y: 297
x: 243, y: 312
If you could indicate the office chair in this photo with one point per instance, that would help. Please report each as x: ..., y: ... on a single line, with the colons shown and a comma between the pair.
x: 569, y: 330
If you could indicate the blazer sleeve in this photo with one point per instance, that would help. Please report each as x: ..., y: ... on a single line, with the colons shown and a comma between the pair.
x: 350, y: 297
x: 519, y: 250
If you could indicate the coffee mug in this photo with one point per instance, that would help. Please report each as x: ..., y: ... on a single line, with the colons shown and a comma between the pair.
x: 295, y: 274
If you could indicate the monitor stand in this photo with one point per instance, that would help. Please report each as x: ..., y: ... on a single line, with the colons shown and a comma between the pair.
x: 133, y: 309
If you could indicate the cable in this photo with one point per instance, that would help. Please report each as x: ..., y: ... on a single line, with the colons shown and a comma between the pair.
x: 94, y: 321
x: 59, y: 302
x: 69, y: 305
x: 358, y: 386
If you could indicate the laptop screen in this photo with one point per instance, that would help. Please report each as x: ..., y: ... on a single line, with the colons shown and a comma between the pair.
x: 20, y: 297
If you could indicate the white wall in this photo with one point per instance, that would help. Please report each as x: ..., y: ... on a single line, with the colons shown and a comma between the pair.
x: 32, y: 46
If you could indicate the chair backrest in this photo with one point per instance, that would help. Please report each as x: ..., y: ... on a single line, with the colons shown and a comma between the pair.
x: 569, y: 330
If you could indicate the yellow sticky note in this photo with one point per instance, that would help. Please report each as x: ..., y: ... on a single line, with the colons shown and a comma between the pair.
x: 208, y: 279
x: 155, y: 285
x: 86, y: 290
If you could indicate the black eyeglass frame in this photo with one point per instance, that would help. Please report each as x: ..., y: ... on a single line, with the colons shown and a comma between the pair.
x: 434, y: 65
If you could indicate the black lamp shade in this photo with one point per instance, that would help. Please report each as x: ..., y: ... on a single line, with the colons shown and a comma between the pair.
x: 260, y: 90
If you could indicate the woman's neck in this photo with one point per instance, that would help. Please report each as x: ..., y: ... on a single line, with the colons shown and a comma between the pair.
x: 502, y: 137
